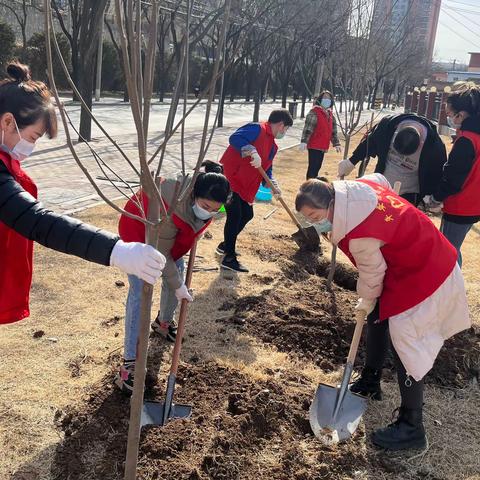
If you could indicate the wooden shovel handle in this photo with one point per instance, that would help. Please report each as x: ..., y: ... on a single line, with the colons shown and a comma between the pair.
x: 272, y: 187
x: 360, y: 318
x: 182, y: 317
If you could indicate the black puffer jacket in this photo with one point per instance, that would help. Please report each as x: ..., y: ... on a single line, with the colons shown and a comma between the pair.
x: 432, y: 158
x: 21, y: 212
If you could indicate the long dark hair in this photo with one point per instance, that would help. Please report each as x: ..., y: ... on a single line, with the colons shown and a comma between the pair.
x: 26, y: 99
x: 212, y: 184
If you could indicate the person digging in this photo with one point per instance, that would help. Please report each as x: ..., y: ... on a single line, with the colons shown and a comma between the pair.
x: 409, y: 284
x: 251, y: 147
x: 190, y: 219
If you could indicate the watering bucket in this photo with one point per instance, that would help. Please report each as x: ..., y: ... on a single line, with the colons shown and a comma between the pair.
x: 264, y: 194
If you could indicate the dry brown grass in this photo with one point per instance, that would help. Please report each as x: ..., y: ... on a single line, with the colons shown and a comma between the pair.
x: 76, y: 303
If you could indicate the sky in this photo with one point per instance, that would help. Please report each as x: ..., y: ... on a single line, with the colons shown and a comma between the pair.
x: 458, y: 31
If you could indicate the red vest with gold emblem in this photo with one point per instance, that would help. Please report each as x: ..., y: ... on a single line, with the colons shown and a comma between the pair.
x: 418, y: 257
x: 320, y: 138
x: 467, y: 201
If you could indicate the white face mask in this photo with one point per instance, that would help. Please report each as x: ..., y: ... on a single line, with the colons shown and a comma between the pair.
x: 452, y: 124
x: 201, y: 213
x: 22, y: 149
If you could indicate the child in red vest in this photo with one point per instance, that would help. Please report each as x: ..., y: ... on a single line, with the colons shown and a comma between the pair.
x: 409, y: 283
x: 26, y: 114
x: 320, y: 129
x: 460, y: 184
x: 190, y: 219
x: 251, y: 146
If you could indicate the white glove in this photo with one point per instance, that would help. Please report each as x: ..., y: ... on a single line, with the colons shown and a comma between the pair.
x: 367, y: 305
x: 338, y: 148
x: 345, y: 167
x: 256, y: 161
x: 138, y: 259
x: 302, y: 147
x: 182, y: 293
x: 277, y: 193
x: 431, y: 204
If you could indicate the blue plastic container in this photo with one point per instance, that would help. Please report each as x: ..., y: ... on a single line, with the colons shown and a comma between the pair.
x: 264, y: 194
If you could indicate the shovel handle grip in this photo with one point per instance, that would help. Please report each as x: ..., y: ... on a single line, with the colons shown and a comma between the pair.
x: 272, y: 187
x: 360, y: 318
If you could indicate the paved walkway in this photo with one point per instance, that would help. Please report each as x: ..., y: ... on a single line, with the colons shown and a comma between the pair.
x: 64, y: 188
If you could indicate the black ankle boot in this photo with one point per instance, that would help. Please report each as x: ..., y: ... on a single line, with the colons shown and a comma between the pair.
x: 368, y: 384
x: 406, y: 432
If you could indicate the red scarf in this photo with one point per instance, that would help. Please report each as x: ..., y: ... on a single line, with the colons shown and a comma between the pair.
x: 16, y: 257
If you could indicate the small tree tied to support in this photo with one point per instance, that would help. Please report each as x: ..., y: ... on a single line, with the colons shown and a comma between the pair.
x: 139, y: 53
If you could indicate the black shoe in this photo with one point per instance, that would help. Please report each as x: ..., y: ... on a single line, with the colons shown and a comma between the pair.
x: 230, y: 262
x: 220, y: 250
x: 368, y: 385
x: 406, y: 432
x: 168, y: 330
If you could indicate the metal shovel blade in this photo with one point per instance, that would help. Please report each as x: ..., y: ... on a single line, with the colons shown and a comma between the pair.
x: 153, y: 413
x: 307, y: 239
x: 332, y: 428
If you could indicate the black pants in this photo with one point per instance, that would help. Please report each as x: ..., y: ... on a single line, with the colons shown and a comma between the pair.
x: 378, y: 343
x: 315, y: 160
x: 413, y: 198
x: 239, y: 213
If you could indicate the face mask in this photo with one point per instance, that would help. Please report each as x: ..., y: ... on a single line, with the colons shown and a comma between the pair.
x: 326, y: 103
x: 280, y: 135
x: 323, y: 226
x: 452, y: 124
x: 201, y: 213
x: 22, y: 148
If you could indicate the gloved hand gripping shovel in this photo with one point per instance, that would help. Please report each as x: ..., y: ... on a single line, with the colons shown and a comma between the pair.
x: 306, y: 238
x: 335, y: 411
x: 159, y: 413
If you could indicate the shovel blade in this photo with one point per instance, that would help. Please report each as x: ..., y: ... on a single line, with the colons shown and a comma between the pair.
x: 307, y: 239
x: 152, y: 413
x: 327, y: 427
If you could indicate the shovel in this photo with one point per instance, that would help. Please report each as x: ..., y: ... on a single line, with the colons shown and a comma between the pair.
x: 306, y: 238
x: 335, y: 411
x: 159, y: 413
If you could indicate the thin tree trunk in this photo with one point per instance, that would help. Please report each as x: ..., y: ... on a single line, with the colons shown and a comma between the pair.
x: 86, y: 90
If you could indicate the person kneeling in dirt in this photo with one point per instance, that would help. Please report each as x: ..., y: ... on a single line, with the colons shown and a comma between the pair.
x: 191, y: 217
x: 251, y: 147
x: 409, y: 285
x: 409, y: 151
x: 26, y: 114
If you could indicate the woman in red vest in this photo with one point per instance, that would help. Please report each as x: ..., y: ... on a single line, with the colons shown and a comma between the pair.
x: 190, y: 219
x: 460, y: 185
x: 251, y: 146
x: 320, y: 129
x: 409, y: 285
x: 26, y: 114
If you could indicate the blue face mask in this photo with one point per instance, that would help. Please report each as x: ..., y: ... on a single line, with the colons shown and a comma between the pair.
x: 326, y: 103
x: 323, y: 226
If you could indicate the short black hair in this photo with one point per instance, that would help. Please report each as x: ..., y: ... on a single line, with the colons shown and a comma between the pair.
x: 407, y: 141
x: 465, y: 98
x: 212, y: 186
x: 281, y: 115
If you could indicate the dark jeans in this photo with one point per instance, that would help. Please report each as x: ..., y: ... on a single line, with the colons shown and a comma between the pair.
x: 239, y: 213
x: 378, y: 344
x: 455, y: 233
x: 315, y: 160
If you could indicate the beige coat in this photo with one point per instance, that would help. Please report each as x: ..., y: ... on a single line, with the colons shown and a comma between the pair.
x: 418, y: 333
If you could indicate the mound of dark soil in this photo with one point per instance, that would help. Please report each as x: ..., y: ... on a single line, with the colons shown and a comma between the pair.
x: 240, y: 429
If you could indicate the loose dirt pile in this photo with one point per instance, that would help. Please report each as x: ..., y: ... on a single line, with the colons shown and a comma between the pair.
x: 239, y: 430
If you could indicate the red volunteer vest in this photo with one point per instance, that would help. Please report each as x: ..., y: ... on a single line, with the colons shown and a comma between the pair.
x: 16, y: 257
x: 320, y: 138
x: 245, y: 179
x: 467, y: 201
x: 419, y: 258
x: 131, y: 230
